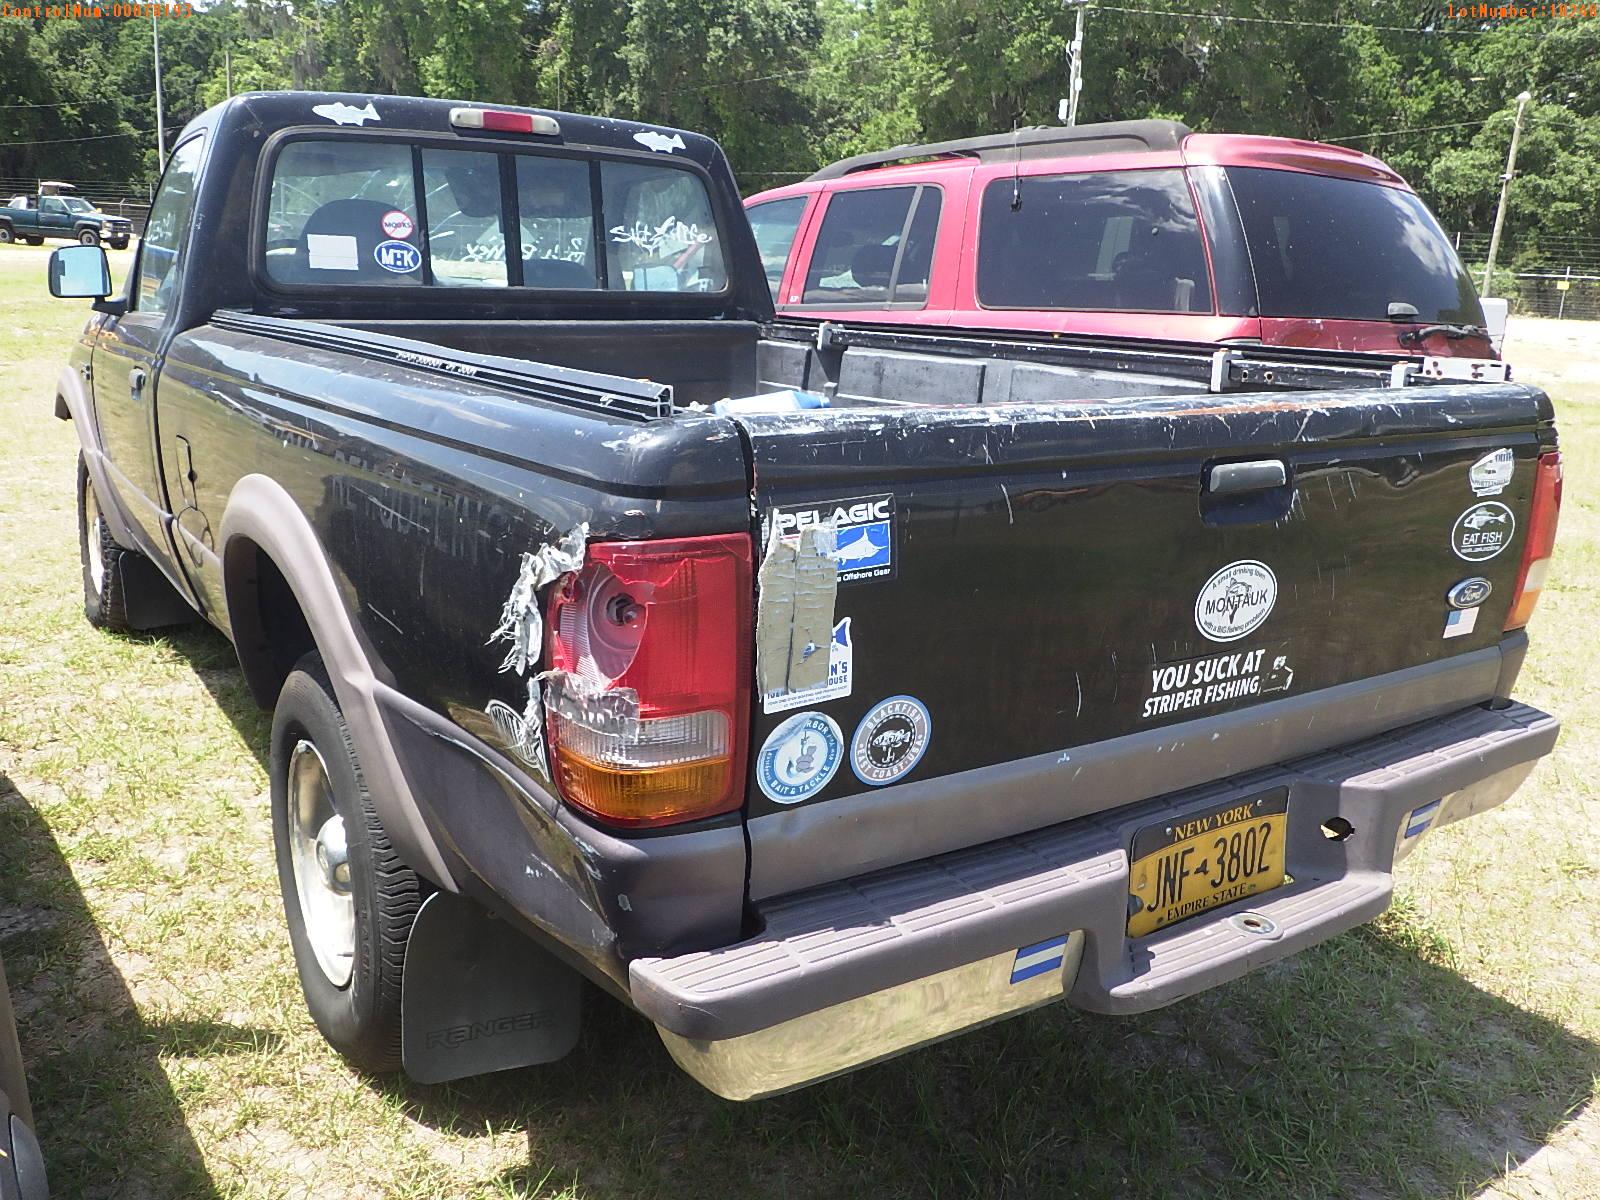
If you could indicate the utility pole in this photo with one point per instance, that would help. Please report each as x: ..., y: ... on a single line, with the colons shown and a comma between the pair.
x: 161, y: 128
x: 227, y: 68
x: 1505, y: 191
x: 1067, y: 111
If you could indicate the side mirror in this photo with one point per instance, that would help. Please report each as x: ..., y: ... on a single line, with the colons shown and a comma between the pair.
x: 80, y: 271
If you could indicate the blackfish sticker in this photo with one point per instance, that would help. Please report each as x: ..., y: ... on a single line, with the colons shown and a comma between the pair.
x: 890, y: 741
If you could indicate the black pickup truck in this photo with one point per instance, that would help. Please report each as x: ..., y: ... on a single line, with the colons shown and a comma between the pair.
x: 818, y: 693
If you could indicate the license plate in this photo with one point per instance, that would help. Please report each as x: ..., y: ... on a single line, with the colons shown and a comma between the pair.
x: 1205, y: 858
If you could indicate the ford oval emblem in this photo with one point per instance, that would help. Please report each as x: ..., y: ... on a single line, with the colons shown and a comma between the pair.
x: 1470, y: 593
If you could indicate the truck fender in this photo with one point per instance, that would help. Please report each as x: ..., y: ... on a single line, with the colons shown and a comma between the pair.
x: 262, y: 514
x: 78, y: 406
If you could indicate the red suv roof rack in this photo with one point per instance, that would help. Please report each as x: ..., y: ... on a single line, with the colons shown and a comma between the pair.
x: 1038, y: 141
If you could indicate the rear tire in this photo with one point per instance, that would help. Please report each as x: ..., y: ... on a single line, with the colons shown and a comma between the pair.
x: 348, y: 899
x: 6, y: 236
x: 104, y: 603
x: 88, y: 237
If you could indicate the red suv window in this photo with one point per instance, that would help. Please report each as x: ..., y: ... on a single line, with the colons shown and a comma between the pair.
x: 875, y: 248
x: 1115, y: 241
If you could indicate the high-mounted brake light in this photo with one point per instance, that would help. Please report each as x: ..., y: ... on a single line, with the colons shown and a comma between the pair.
x: 496, y: 121
x: 648, y: 709
x: 1541, y: 541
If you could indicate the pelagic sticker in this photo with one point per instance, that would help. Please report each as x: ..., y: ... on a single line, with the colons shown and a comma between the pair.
x: 841, y: 673
x: 799, y: 757
x: 863, y: 532
x: 1235, y: 601
x: 1216, y: 680
x: 890, y: 741
x: 1483, y: 531
x: 1491, y: 474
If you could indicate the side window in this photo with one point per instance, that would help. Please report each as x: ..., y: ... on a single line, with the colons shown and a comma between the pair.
x: 465, y: 240
x: 875, y: 247
x: 1117, y: 241
x: 166, y: 228
x: 555, y: 209
x: 344, y: 212
x: 660, y: 234
x: 775, y: 223
x: 853, y: 259
x: 54, y: 205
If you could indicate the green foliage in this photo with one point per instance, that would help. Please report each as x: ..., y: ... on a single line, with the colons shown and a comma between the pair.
x: 787, y: 85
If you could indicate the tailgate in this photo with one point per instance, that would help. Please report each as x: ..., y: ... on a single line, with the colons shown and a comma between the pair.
x: 1041, y: 611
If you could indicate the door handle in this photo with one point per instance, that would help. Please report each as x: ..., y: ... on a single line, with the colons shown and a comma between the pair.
x: 136, y: 379
x: 1255, y: 476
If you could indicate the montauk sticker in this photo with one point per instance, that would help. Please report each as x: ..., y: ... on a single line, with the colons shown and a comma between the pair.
x: 1199, y: 683
x: 890, y: 740
x: 799, y: 757
x: 841, y: 671
x: 1491, y: 474
x: 863, y: 533
x: 1483, y: 531
x: 1236, y: 600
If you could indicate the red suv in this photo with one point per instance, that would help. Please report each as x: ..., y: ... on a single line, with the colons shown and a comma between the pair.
x: 1134, y: 229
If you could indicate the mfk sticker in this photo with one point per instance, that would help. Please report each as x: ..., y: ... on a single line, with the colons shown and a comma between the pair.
x: 799, y: 757
x: 1491, y: 474
x: 1460, y: 622
x: 1483, y: 531
x: 841, y: 669
x: 398, y: 258
x: 863, y: 533
x: 1236, y: 600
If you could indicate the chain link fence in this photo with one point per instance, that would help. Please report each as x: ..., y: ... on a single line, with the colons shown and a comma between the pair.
x: 1559, y: 277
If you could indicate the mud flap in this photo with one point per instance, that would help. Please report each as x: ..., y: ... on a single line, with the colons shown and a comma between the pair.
x: 477, y: 996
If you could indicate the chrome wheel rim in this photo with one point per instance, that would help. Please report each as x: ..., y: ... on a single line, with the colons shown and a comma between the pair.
x: 320, y: 858
x: 93, y: 539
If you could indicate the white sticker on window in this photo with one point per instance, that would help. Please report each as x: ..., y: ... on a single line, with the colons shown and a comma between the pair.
x: 332, y: 252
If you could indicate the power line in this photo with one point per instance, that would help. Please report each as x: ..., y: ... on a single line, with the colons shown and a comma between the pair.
x: 1378, y: 133
x: 98, y: 137
x: 69, y: 103
x: 1216, y: 16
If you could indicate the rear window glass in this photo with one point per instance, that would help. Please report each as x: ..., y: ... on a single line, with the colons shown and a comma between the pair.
x: 1117, y: 241
x: 775, y: 223
x: 347, y: 212
x: 875, y: 247
x: 1341, y: 248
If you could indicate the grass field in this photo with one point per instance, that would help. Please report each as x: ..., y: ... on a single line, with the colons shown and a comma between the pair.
x: 1452, y: 1049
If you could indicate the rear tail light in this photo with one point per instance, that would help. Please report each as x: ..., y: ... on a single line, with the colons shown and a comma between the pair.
x: 649, y: 696
x: 1541, y: 541
x: 497, y: 121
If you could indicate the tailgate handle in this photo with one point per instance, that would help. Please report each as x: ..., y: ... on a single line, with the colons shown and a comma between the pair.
x: 1255, y: 476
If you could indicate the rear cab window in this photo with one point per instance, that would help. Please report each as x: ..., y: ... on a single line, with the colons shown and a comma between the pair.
x: 1110, y: 241
x: 1389, y: 249
x: 874, y: 248
x: 345, y: 212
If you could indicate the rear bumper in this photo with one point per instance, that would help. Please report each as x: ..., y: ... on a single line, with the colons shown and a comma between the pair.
x: 857, y: 971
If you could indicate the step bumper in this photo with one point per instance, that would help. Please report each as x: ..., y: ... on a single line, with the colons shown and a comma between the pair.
x: 854, y: 972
